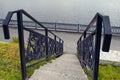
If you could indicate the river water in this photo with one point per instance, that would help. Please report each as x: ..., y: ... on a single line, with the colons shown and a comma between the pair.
x: 69, y: 11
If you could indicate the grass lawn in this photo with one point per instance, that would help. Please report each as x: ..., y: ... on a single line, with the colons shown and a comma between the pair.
x: 109, y: 72
x: 10, y: 62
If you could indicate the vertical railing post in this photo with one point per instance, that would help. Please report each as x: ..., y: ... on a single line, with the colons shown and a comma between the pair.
x: 55, y: 26
x: 55, y: 43
x: 78, y: 27
x: 84, y: 34
x: 59, y: 46
x: 97, y: 47
x: 46, y: 42
x: 21, y: 44
x: 62, y: 46
x: 35, y: 26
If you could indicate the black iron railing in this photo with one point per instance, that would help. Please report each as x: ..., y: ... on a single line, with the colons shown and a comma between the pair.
x: 62, y: 27
x: 88, y: 46
x: 40, y: 47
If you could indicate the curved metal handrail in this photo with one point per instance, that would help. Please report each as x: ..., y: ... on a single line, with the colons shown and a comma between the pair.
x: 8, y: 19
x: 107, y: 30
x: 89, y: 46
x: 58, y: 49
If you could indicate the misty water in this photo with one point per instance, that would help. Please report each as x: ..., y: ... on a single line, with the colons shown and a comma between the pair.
x: 66, y: 11
x: 69, y: 11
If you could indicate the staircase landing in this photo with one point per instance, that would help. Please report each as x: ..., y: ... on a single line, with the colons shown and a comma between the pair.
x: 66, y: 67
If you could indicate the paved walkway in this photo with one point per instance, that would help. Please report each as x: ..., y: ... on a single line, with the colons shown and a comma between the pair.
x: 70, y: 39
x: 66, y: 67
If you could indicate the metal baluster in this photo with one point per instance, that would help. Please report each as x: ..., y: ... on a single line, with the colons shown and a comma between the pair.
x: 21, y: 44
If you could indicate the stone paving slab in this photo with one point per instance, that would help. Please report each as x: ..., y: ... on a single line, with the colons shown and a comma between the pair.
x: 66, y: 67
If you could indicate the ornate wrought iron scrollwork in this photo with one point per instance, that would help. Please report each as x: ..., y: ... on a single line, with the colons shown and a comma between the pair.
x: 89, y: 51
x: 51, y: 46
x: 59, y: 48
x: 36, y: 47
x: 86, y: 51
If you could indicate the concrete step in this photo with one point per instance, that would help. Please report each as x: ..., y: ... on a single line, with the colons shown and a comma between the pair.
x: 66, y: 67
